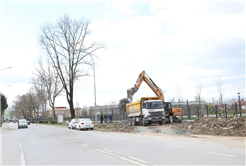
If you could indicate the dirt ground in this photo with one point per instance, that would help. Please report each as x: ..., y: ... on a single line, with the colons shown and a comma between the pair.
x: 201, y: 126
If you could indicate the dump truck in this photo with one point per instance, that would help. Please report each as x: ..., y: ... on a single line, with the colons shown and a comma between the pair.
x: 146, y: 111
x: 167, y: 105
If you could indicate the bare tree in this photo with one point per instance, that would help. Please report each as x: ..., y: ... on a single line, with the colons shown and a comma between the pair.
x: 47, y: 84
x: 221, y: 88
x: 28, y: 105
x: 199, y: 92
x: 67, y: 45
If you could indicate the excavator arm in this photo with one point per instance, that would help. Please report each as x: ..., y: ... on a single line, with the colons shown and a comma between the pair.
x: 144, y: 77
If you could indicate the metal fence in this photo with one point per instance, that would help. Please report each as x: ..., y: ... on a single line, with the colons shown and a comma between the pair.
x: 224, y: 111
x: 115, y: 117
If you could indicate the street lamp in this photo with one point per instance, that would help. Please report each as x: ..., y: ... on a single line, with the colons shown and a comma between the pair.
x: 94, y: 89
x: 1, y: 75
x: 239, y: 104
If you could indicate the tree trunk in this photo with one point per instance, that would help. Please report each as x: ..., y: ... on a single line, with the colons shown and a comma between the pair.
x: 72, y: 111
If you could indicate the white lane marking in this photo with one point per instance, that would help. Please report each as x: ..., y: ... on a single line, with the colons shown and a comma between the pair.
x: 72, y: 140
x: 84, y: 144
x: 129, y: 160
x: 222, y: 154
x: 108, y: 150
x: 138, y: 160
x: 145, y: 141
x: 101, y: 151
x: 175, y: 146
x: 22, y: 156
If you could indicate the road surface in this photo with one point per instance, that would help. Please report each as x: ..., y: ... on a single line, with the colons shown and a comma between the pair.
x: 50, y: 145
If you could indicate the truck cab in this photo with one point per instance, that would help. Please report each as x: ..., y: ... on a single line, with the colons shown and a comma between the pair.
x: 146, y: 111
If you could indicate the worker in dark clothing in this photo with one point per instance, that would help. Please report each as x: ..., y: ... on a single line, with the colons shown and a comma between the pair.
x: 101, y: 118
x: 105, y: 118
x: 171, y: 117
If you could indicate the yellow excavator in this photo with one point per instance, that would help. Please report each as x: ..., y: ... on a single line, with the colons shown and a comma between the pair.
x: 167, y: 105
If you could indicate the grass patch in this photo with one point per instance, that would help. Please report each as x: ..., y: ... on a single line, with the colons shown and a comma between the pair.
x: 192, y: 118
x: 56, y: 124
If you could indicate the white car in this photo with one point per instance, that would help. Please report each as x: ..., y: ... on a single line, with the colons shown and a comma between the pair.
x: 84, y: 123
x: 72, y: 123
x: 22, y: 123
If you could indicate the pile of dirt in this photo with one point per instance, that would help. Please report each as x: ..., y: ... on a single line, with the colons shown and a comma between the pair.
x: 204, y: 125
x: 212, y: 126
x: 115, y: 127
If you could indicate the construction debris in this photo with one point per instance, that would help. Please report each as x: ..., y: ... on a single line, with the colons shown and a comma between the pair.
x: 204, y: 125
x: 212, y: 126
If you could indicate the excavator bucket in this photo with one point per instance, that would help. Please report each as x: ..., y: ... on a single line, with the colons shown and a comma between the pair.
x: 131, y: 91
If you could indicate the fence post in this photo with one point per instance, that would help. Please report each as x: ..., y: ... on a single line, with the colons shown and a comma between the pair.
x: 207, y: 110
x: 225, y: 111
x: 197, y: 107
x: 188, y: 110
x: 216, y: 111
x: 236, y: 108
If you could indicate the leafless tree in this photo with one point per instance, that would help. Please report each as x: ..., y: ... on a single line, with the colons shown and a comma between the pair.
x: 47, y: 83
x: 84, y: 111
x: 67, y: 45
x: 28, y: 105
x: 221, y: 88
x: 179, y: 92
x: 199, y: 92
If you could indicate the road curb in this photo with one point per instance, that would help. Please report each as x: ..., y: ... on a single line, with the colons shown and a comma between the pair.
x: 5, y: 127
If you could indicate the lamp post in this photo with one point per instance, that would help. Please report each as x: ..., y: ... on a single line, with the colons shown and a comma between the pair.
x: 239, y: 104
x: 94, y: 89
x: 1, y: 75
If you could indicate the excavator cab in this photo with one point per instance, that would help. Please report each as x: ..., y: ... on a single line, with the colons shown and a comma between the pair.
x: 167, y: 107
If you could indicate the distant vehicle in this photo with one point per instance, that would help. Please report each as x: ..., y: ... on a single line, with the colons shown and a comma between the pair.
x: 84, y: 123
x: 22, y: 123
x: 7, y: 121
x: 72, y: 123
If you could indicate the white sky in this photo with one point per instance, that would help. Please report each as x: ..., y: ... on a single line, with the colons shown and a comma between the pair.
x: 177, y: 43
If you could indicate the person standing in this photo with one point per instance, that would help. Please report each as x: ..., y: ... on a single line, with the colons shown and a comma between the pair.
x: 105, y: 118
x: 111, y: 118
x: 101, y: 118
x: 171, y: 117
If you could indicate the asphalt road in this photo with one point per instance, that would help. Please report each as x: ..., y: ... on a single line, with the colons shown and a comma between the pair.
x: 49, y: 145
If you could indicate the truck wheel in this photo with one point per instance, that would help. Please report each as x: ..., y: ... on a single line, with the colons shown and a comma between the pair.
x: 130, y: 121
x: 177, y: 120
x: 160, y: 123
x: 167, y: 120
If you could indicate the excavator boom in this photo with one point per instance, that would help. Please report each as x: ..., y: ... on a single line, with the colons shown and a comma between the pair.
x: 144, y: 77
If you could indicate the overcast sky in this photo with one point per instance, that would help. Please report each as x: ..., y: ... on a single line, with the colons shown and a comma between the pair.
x: 176, y: 43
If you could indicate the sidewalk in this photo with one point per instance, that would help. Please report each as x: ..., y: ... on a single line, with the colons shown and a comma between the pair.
x: 5, y: 127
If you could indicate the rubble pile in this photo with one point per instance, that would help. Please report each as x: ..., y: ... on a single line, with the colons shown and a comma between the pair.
x: 212, y: 126
x: 115, y: 127
x: 204, y: 125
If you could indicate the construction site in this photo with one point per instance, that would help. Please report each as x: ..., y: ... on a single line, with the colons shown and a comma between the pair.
x: 202, y: 126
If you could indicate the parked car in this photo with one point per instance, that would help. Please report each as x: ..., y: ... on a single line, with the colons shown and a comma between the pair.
x: 84, y: 123
x: 22, y: 123
x: 72, y: 123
